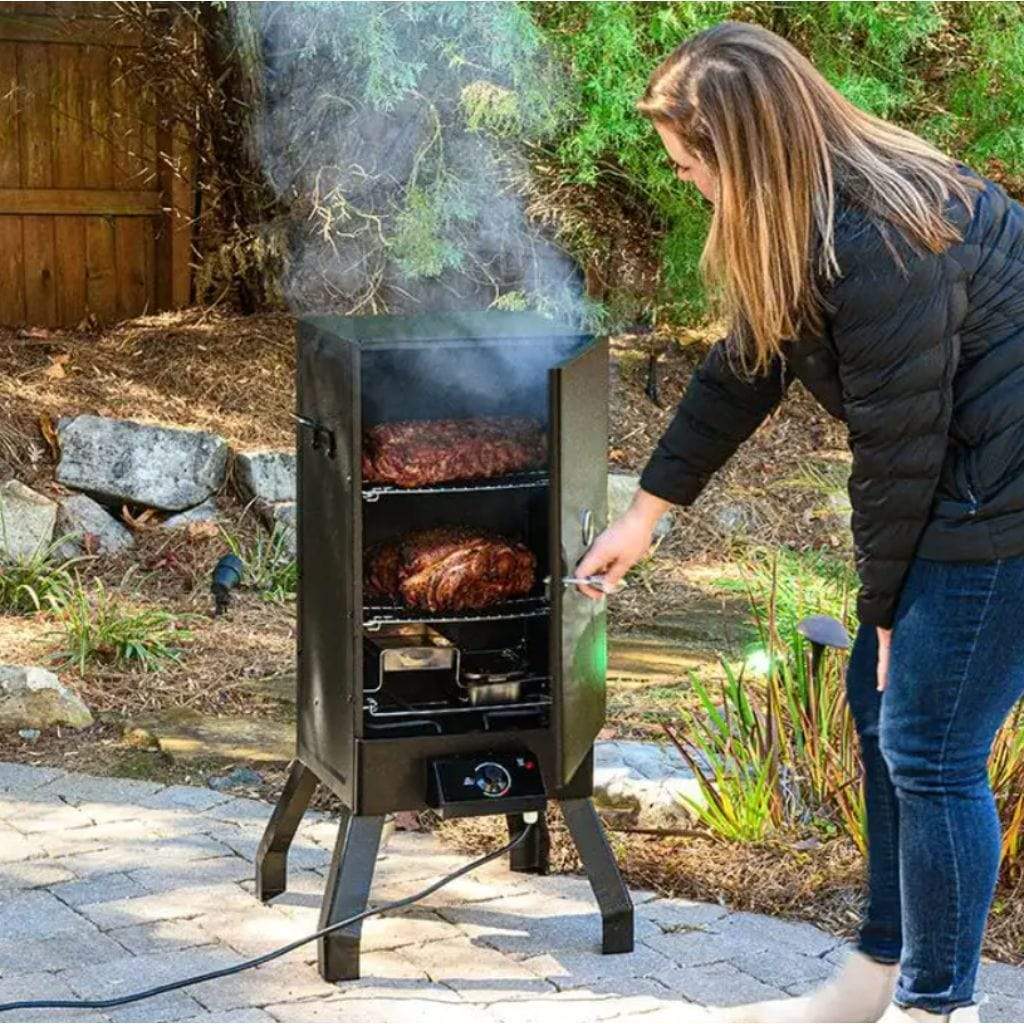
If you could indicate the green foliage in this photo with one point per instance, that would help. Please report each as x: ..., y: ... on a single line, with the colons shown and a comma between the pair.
x: 99, y: 628
x: 30, y: 582
x: 777, y: 753
x: 952, y: 72
x: 268, y: 563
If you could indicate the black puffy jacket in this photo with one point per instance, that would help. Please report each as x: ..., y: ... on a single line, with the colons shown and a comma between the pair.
x: 926, y: 366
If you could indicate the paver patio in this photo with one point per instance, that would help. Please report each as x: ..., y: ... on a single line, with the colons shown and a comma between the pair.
x: 111, y: 885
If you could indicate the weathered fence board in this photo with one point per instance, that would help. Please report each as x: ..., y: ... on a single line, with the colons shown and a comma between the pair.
x: 95, y: 195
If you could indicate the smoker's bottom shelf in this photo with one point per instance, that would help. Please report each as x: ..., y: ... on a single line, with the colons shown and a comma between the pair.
x: 439, y: 719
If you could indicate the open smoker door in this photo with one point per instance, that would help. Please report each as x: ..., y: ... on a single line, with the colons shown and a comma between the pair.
x: 578, y: 439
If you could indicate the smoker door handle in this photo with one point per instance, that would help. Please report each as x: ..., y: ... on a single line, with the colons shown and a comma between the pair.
x: 589, y: 528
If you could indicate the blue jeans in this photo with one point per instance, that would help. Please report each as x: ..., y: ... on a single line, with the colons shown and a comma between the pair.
x: 956, y: 671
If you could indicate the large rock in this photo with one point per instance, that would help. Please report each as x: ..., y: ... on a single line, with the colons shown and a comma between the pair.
x: 78, y: 515
x: 621, y: 488
x: 26, y: 520
x: 205, y: 513
x: 266, y: 475
x: 282, y: 516
x: 120, y: 460
x: 32, y: 697
x: 644, y: 784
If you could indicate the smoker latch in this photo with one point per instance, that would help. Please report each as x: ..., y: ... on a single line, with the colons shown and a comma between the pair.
x: 323, y: 437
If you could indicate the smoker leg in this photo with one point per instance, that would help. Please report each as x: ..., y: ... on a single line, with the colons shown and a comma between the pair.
x: 603, y: 873
x: 348, y: 889
x: 531, y: 855
x: 272, y: 856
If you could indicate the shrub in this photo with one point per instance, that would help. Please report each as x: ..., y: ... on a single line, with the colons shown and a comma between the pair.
x: 778, y: 753
x: 98, y: 628
x: 29, y: 582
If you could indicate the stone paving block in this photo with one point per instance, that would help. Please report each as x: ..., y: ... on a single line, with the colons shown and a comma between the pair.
x: 134, y: 973
x: 194, y: 798
x: 42, y: 986
x: 20, y: 778
x: 430, y: 1003
x: 578, y: 1006
x: 67, y: 949
x: 197, y: 874
x: 98, y: 889
x: 51, y: 818
x: 523, y: 926
x: 467, y: 889
x: 720, y: 984
x: 244, y: 840
x: 477, y: 973
x: 170, y: 1006
x: 38, y: 913
x: 407, y: 928
x: 586, y: 969
x: 158, y: 936
x: 270, y: 983
x: 671, y: 915
x: 141, y: 852
x: 250, y: 1015
x: 15, y: 847
x: 77, y: 788
x: 782, y: 968
x: 1004, y: 979
x: 241, y: 811
x: 771, y: 931
x: 165, y: 906
x: 258, y: 930
x: 31, y: 874
x: 1002, y: 1008
x: 697, y: 946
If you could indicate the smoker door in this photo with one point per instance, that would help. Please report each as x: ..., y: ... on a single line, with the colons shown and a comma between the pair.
x: 578, y: 442
x: 329, y: 556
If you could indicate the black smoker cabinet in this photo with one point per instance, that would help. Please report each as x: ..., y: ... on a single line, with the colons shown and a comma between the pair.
x: 381, y: 748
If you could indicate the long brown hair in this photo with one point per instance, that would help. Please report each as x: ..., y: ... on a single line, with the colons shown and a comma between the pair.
x: 784, y: 146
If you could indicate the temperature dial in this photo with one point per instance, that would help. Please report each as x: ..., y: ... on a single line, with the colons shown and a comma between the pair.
x: 493, y: 779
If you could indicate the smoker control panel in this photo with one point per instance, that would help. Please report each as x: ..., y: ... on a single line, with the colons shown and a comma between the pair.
x: 486, y: 784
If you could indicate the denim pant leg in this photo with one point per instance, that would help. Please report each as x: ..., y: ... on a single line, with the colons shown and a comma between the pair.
x: 881, y: 936
x: 957, y: 668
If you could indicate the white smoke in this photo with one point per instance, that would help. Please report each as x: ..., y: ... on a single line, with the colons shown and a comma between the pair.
x: 392, y: 133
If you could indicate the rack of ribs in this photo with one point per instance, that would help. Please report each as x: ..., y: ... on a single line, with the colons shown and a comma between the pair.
x: 449, y: 569
x: 422, y: 453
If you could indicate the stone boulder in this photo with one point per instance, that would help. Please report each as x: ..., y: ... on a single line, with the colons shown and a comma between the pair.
x: 621, y: 488
x: 644, y: 784
x: 204, y: 513
x: 282, y: 515
x: 266, y: 475
x: 27, y: 520
x: 120, y: 460
x: 32, y: 697
x: 78, y: 515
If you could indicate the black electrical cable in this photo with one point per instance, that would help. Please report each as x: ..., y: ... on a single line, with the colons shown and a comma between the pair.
x: 223, y: 972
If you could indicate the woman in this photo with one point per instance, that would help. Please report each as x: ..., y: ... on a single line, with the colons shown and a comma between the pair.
x: 853, y: 256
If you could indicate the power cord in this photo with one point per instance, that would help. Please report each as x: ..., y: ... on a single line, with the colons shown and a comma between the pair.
x: 530, y: 819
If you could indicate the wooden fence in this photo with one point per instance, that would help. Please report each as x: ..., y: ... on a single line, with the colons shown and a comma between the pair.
x: 95, y: 196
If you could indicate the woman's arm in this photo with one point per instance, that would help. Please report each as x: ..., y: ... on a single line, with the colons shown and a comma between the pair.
x: 719, y: 411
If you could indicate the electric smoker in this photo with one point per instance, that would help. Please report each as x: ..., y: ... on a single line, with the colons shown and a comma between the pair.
x: 490, y: 711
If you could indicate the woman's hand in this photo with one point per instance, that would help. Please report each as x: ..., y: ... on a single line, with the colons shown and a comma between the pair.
x: 884, y: 644
x: 623, y: 544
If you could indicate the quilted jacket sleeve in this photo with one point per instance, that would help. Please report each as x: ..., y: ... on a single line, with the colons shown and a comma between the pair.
x: 895, y: 343
x: 719, y: 411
